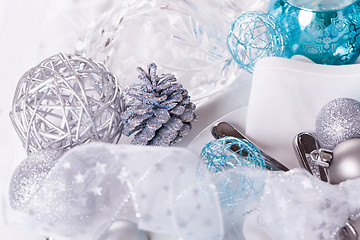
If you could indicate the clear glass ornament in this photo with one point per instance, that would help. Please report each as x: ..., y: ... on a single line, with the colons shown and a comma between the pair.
x: 169, y: 34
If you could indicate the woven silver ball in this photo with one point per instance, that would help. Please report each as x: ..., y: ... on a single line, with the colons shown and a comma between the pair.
x: 64, y: 101
x: 337, y: 121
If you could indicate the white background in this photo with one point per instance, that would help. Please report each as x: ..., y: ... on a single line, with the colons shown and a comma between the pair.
x: 23, y: 24
x: 19, y: 36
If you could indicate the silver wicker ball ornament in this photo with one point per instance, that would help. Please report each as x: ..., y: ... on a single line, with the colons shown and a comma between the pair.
x: 64, y: 101
x: 337, y: 121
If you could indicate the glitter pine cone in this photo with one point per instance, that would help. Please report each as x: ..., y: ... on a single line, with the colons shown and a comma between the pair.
x: 158, y: 110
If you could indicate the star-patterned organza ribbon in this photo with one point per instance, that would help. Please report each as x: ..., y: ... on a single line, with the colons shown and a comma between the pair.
x: 92, y: 185
x: 297, y: 205
x: 95, y: 184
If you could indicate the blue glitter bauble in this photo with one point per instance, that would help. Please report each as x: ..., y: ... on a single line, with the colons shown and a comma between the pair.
x: 255, y: 35
x: 228, y: 160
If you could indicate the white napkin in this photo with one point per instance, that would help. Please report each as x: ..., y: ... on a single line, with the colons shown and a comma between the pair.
x: 287, y: 95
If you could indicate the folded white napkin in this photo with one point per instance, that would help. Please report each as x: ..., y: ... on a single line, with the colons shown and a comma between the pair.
x: 287, y: 95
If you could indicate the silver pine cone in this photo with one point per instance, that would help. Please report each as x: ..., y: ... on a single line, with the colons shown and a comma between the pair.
x: 158, y: 110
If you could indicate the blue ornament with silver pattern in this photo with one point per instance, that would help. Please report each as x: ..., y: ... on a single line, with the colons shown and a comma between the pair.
x: 325, y: 31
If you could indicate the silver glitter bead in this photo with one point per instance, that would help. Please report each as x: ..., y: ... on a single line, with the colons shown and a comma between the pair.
x: 345, y: 163
x: 339, y: 120
x: 29, y: 176
x: 64, y: 101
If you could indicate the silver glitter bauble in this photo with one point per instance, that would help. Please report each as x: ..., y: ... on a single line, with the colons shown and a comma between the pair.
x: 64, y: 101
x: 339, y: 120
x: 29, y: 176
x: 121, y: 230
x: 345, y: 163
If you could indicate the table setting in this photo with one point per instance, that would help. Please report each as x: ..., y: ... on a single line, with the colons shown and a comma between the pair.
x: 180, y: 120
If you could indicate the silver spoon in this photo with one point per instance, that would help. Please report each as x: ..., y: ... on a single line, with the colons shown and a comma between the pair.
x: 350, y: 231
x: 224, y: 129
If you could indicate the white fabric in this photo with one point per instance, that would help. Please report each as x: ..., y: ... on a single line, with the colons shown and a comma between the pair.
x: 287, y: 95
x: 97, y: 183
x: 297, y: 206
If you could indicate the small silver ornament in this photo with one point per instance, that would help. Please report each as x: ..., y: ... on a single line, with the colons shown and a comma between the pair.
x: 64, y: 101
x: 339, y: 120
x: 343, y: 163
x: 29, y: 176
x: 121, y: 230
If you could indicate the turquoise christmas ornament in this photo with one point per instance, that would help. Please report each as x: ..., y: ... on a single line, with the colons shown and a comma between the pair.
x: 255, y: 35
x: 230, y: 162
x: 325, y: 31
x: 230, y: 152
